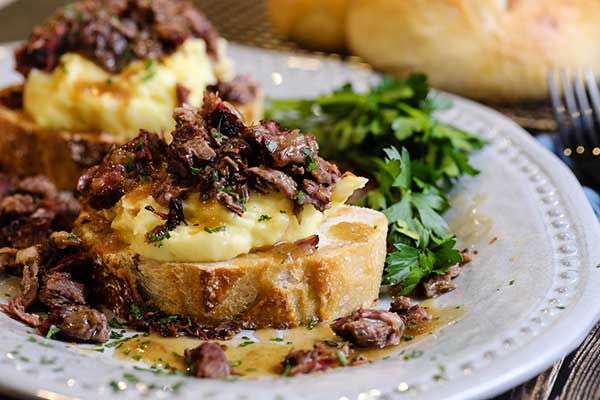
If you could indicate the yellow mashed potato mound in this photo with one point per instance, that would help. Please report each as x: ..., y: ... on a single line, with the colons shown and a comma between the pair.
x: 214, y: 233
x: 79, y: 96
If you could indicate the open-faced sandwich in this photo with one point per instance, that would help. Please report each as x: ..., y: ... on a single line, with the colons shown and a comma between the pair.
x: 98, y: 71
x: 230, y: 222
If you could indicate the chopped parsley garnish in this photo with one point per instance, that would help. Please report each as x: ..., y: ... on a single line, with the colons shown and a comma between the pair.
x: 311, y: 164
x: 246, y: 343
x: 311, y: 325
x: 158, y: 237
x: 342, y: 357
x: 511, y: 282
x: 374, y: 132
x: 412, y: 355
x: 52, y: 331
x: 408, y: 338
x: 137, y: 357
x: 221, y: 228
x: 135, y: 311
x: 169, y: 319
x: 286, y: 370
x: 149, y: 67
x: 140, y: 145
x: 116, y: 334
x: 130, y: 377
x: 195, y: 171
x: 234, y: 364
x: 300, y: 196
x: 264, y: 217
x: 271, y: 146
x: 276, y: 339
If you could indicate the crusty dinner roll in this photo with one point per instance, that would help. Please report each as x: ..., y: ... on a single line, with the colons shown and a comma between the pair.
x: 493, y: 50
x: 317, y: 24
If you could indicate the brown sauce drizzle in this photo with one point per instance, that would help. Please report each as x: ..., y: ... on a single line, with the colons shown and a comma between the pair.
x: 261, y: 354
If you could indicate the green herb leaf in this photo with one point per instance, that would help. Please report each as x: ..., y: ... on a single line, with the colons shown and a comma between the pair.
x: 52, y: 331
x: 264, y: 218
x: 221, y: 228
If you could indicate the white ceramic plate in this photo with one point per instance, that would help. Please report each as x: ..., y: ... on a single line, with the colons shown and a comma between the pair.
x: 529, y: 297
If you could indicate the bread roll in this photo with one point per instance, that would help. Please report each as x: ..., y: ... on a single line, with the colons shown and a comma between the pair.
x: 318, y: 24
x: 492, y: 50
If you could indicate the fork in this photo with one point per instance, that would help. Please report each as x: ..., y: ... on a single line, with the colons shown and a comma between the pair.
x: 578, y: 120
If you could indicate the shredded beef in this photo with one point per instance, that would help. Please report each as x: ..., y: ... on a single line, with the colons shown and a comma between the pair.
x: 8, y: 258
x: 320, y: 358
x: 370, y: 328
x: 215, y: 154
x: 174, y: 326
x: 414, y: 315
x: 113, y: 33
x: 440, y: 284
x: 31, y: 209
x: 173, y: 220
x: 80, y: 323
x: 207, y: 361
x: 242, y: 89
x: 59, y: 289
x: 31, y: 259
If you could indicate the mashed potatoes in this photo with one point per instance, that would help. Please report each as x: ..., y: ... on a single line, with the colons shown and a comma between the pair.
x: 214, y: 233
x: 80, y: 96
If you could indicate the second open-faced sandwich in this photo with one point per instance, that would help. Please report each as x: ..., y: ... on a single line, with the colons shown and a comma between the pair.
x: 229, y: 222
x: 99, y: 70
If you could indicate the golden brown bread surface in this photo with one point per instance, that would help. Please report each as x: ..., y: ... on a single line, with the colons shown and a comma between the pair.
x: 281, y: 287
x: 494, y: 50
x: 318, y: 24
x: 26, y: 149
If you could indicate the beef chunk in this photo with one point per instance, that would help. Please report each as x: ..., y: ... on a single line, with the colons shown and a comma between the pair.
x: 242, y: 89
x: 37, y: 185
x: 80, y: 323
x: 30, y: 259
x: 114, y: 33
x: 207, y: 361
x: 276, y: 179
x: 440, y: 284
x: 17, y: 204
x: 414, y: 315
x: 121, y: 170
x: 31, y: 209
x: 320, y: 358
x: 8, y: 258
x: 370, y: 328
x: 59, y: 289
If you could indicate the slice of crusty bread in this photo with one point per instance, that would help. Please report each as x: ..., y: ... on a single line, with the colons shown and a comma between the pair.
x: 27, y: 149
x: 281, y: 287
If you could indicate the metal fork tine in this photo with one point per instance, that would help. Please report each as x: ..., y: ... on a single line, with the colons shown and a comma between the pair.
x: 574, y: 112
x: 592, y: 88
x: 559, y: 110
x: 586, y: 113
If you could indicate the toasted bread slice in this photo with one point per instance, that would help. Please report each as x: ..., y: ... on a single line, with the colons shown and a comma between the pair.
x: 27, y: 149
x: 281, y: 287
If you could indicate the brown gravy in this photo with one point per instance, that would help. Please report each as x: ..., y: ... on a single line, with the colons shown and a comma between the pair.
x: 262, y: 353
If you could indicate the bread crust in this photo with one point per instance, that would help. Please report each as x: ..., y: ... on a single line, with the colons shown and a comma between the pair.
x: 494, y: 50
x: 281, y: 287
x: 26, y: 149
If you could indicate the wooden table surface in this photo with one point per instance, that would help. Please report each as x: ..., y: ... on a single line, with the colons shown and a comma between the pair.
x: 576, y: 377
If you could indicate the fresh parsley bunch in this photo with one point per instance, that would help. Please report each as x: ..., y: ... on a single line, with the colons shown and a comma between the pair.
x: 390, y: 133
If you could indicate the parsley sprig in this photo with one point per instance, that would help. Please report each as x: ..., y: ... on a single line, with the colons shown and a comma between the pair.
x: 391, y: 134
